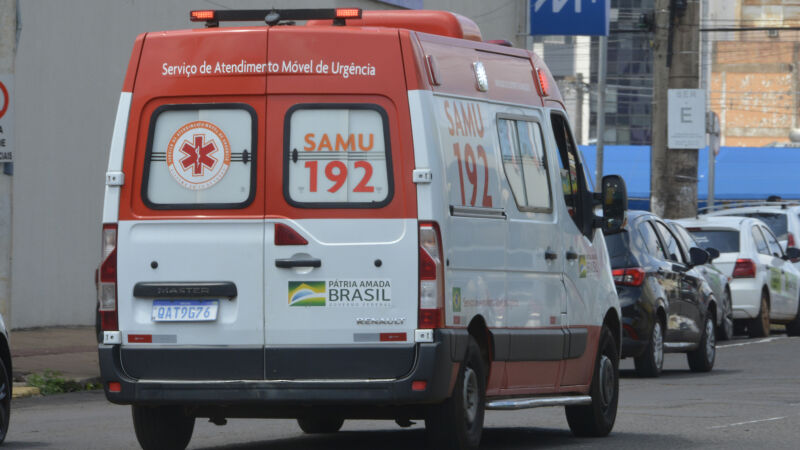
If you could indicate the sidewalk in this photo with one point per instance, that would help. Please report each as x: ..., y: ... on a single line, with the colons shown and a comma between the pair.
x: 71, y: 351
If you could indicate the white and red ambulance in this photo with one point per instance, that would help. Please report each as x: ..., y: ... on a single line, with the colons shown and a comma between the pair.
x: 371, y: 215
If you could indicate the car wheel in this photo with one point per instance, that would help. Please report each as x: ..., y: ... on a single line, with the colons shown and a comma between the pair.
x: 5, y: 401
x: 320, y: 424
x: 725, y: 328
x: 759, y: 327
x: 651, y: 362
x: 598, y: 419
x: 793, y: 327
x: 457, y: 423
x: 702, y: 358
x: 162, y: 427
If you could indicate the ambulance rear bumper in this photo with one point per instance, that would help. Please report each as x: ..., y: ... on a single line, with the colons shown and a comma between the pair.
x: 434, y: 364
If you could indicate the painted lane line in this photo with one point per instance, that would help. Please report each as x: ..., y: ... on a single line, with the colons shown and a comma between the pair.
x: 760, y: 341
x: 746, y: 423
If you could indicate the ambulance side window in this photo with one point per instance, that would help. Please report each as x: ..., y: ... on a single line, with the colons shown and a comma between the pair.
x: 569, y: 169
x: 200, y: 156
x: 337, y: 156
x: 525, y: 163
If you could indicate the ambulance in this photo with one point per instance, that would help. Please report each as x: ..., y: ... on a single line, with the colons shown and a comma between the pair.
x: 341, y: 214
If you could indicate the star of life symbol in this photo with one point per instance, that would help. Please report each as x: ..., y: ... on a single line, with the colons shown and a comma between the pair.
x: 193, y: 155
x: 198, y: 155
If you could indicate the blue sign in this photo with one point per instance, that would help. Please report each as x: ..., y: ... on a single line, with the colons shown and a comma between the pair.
x: 570, y: 17
x: 408, y: 4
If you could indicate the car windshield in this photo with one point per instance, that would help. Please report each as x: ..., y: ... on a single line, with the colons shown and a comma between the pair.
x: 726, y: 241
x: 775, y: 221
x: 619, y: 249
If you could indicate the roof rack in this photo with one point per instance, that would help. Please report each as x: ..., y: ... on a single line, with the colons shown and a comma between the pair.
x: 212, y: 17
x: 748, y: 203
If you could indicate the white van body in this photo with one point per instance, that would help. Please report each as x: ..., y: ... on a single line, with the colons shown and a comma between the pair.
x: 365, y: 235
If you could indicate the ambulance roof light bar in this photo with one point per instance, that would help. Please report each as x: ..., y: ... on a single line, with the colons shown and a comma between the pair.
x: 212, y: 17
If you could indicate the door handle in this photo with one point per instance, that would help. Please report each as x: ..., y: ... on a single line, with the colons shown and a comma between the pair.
x: 290, y: 263
x: 550, y: 256
x: 572, y: 255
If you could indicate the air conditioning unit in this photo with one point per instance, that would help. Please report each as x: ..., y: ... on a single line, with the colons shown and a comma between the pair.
x: 773, y: 33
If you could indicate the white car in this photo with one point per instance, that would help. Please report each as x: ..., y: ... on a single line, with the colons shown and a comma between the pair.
x: 781, y: 217
x: 764, y: 285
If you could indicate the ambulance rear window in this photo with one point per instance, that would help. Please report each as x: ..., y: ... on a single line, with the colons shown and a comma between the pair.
x: 200, y: 156
x: 337, y: 156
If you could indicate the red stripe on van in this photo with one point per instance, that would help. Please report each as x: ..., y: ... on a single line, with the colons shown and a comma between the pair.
x: 140, y: 338
x: 393, y: 337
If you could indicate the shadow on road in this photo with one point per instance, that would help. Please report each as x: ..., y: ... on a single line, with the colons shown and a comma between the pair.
x: 493, y: 438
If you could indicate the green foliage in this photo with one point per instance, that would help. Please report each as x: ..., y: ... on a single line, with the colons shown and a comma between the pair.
x: 51, y: 382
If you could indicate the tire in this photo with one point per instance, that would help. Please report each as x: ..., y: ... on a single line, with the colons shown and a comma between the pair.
x: 597, y: 419
x: 651, y: 362
x: 725, y: 328
x: 457, y: 423
x: 5, y: 401
x: 793, y: 327
x: 702, y: 358
x: 320, y: 424
x: 759, y: 327
x: 162, y: 427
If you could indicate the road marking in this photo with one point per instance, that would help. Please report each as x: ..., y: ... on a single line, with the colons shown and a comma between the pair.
x: 760, y: 341
x: 746, y: 423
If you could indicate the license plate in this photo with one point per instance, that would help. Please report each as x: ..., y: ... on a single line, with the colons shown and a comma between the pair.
x: 184, y: 310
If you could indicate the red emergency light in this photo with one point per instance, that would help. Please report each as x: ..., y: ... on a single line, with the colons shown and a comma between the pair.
x: 202, y: 15
x: 544, y: 87
x: 348, y: 13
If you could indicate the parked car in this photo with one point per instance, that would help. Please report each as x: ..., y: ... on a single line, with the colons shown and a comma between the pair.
x: 716, y: 279
x: 764, y: 284
x: 667, y: 305
x: 782, y: 218
x: 5, y: 380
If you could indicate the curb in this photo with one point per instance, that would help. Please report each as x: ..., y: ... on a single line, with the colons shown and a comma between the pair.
x: 21, y: 391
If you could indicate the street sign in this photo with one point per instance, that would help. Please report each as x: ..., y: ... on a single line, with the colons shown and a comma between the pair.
x: 6, y: 117
x: 686, y: 118
x: 570, y: 17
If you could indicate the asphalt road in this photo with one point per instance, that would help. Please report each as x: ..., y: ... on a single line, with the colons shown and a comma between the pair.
x: 750, y: 400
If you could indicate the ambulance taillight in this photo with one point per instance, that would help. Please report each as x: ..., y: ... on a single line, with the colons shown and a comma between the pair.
x: 107, y: 288
x: 431, y: 277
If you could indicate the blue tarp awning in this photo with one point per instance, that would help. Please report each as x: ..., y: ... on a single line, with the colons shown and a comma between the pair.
x: 741, y: 173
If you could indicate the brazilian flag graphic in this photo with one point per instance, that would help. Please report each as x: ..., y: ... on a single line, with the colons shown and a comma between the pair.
x: 307, y: 293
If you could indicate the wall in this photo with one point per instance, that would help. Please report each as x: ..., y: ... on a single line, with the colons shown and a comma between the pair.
x: 70, y: 65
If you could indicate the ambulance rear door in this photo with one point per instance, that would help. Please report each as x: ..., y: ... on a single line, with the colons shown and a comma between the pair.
x: 191, y: 220
x: 341, y: 235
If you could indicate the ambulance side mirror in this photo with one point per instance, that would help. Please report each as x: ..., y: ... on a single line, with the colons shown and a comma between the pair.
x: 615, y: 203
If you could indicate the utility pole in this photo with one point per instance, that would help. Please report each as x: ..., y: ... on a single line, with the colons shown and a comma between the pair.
x: 602, y: 56
x: 673, y: 172
x: 8, y: 48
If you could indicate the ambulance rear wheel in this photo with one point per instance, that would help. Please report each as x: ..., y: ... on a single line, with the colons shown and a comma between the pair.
x: 597, y: 419
x: 458, y: 422
x: 162, y: 427
x: 320, y: 424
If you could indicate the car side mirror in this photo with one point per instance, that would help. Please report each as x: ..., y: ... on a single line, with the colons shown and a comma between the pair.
x: 712, y: 254
x: 615, y: 203
x: 792, y: 253
x: 698, y: 256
